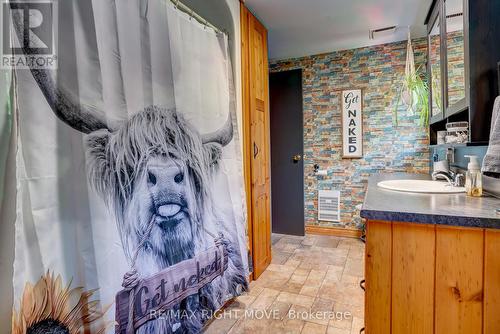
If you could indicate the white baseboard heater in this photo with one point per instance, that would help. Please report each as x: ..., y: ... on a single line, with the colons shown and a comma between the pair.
x: 329, y: 205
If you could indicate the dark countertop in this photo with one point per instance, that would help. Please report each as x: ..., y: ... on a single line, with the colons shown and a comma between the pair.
x: 441, y: 209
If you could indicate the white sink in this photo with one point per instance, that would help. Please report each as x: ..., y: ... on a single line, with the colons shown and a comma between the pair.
x: 421, y: 186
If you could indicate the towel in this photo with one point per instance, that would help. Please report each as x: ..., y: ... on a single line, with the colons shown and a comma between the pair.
x: 491, y: 162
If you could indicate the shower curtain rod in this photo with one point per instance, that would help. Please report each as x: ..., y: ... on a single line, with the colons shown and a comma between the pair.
x: 196, y: 16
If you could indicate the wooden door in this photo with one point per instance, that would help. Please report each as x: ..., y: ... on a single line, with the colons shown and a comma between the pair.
x: 259, y: 133
x: 256, y: 141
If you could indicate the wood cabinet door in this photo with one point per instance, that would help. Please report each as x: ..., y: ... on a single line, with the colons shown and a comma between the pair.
x: 491, y: 282
x: 413, y: 265
x: 459, y: 280
x: 378, y: 271
x: 431, y: 279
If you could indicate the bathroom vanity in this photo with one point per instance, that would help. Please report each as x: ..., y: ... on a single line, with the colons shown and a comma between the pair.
x: 432, y: 261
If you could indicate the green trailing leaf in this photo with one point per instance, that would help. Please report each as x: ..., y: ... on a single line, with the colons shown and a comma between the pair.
x: 415, y: 84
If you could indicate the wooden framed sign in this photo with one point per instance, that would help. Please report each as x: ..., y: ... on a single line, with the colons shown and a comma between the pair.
x: 352, y: 124
x: 157, y: 294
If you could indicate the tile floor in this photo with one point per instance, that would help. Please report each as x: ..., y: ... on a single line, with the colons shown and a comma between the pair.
x: 311, y: 286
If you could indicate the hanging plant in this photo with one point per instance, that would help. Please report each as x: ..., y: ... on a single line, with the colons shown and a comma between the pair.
x: 414, y: 91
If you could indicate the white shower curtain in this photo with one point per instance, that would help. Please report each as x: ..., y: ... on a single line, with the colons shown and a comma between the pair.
x: 118, y: 58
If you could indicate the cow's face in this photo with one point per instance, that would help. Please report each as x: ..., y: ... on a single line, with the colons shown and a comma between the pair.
x: 155, y: 171
x: 155, y: 167
x: 164, y: 194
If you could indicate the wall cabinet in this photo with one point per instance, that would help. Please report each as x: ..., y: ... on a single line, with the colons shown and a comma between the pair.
x: 463, y: 55
x: 431, y: 279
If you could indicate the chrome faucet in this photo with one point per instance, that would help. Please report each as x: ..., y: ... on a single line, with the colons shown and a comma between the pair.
x: 454, y: 179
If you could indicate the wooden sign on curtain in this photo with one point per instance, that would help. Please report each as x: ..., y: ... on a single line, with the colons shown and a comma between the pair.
x: 352, y: 124
x: 155, y: 296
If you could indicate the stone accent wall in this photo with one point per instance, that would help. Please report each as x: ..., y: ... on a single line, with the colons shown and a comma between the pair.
x: 456, y: 66
x: 388, y: 145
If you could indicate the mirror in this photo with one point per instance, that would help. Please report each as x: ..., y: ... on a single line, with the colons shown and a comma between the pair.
x: 455, y: 51
x: 435, y: 68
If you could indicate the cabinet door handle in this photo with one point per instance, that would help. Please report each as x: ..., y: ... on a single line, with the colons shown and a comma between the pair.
x: 362, y: 330
x: 362, y: 284
x: 255, y: 150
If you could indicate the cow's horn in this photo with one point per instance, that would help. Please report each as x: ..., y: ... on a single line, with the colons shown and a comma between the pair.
x: 222, y: 136
x: 82, y: 118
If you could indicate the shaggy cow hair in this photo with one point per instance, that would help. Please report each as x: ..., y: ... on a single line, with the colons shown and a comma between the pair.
x: 118, y: 164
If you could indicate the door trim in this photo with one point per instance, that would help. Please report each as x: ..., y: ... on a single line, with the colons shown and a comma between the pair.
x: 247, y: 139
x: 333, y: 231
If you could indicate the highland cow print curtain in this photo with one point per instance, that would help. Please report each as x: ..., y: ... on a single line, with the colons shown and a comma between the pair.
x: 130, y: 203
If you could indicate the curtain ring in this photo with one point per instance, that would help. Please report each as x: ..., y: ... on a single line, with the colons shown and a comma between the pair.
x: 206, y: 23
x: 190, y: 14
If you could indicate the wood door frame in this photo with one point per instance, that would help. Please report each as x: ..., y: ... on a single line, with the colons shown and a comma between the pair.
x: 247, y: 156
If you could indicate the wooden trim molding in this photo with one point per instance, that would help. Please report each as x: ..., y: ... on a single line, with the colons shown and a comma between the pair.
x: 334, y: 231
x: 247, y: 157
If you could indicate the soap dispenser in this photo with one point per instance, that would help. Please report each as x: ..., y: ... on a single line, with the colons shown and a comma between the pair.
x: 473, y: 178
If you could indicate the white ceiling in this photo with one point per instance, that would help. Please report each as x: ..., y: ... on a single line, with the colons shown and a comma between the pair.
x: 306, y: 27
